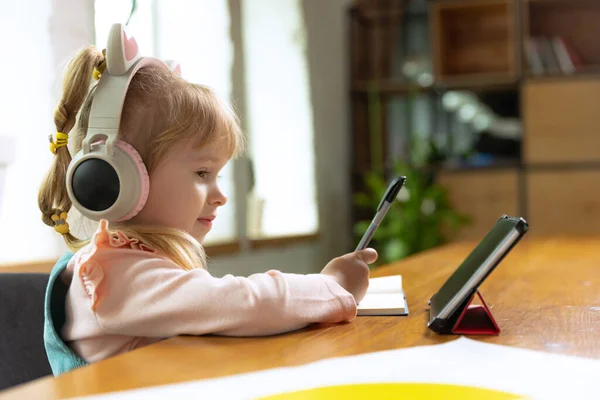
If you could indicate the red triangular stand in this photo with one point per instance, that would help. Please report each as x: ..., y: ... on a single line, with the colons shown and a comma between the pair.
x: 476, y: 319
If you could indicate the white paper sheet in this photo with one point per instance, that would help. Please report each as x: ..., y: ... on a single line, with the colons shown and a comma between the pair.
x: 460, y: 362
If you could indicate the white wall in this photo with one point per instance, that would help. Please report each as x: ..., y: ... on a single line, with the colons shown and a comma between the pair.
x: 71, y: 27
x: 329, y: 63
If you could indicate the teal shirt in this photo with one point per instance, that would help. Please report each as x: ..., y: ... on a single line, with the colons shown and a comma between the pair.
x: 62, y: 359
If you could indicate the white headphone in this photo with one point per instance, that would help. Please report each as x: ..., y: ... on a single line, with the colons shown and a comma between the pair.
x: 107, y: 179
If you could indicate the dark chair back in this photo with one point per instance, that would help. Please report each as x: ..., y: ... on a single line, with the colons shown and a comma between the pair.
x: 22, y: 353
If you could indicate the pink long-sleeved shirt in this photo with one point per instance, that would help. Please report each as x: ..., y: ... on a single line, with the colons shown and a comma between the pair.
x: 123, y: 295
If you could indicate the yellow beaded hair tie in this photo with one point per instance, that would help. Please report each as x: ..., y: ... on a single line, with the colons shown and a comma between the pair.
x: 60, y: 223
x: 60, y: 140
x: 100, y: 68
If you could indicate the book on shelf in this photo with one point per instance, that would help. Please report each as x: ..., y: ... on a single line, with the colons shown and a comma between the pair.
x: 551, y: 55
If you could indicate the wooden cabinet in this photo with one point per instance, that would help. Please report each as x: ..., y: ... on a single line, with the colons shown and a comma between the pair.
x: 564, y: 202
x: 484, y: 196
x: 562, y: 121
x: 562, y: 155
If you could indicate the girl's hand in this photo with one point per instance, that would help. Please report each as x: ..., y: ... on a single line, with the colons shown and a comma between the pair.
x: 351, y: 271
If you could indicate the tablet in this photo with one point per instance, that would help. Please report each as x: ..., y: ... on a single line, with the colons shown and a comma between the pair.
x: 448, y: 302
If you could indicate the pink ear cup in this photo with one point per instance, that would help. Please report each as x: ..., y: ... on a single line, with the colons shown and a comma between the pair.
x: 129, y: 149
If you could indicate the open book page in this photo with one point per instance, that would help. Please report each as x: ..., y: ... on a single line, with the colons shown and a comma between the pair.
x: 385, y: 296
x: 386, y: 284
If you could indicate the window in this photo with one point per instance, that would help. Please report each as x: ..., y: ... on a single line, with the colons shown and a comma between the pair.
x: 279, y: 124
x: 278, y: 117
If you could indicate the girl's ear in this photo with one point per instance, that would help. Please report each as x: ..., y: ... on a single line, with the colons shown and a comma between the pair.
x: 174, y: 66
x: 121, y: 50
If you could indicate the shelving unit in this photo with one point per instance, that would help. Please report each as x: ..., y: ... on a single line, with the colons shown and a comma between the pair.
x: 482, y: 46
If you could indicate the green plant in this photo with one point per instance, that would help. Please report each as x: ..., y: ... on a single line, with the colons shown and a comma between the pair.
x: 417, y: 221
x: 422, y: 215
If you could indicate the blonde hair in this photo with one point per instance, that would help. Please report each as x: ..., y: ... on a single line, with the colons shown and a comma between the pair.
x: 160, y: 108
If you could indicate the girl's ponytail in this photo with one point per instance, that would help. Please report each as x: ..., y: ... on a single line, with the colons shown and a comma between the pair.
x: 53, y: 199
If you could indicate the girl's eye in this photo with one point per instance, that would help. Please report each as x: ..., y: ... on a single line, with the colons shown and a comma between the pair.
x: 202, y: 174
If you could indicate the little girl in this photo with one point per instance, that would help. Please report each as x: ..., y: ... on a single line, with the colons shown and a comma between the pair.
x: 147, y: 150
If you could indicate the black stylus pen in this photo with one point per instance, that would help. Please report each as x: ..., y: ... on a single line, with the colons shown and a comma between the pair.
x: 382, y: 209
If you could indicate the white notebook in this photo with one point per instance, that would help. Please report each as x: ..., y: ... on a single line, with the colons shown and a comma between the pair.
x: 385, y: 296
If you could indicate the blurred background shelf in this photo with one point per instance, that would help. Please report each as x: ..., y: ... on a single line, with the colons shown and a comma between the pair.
x: 474, y: 84
x: 504, y: 95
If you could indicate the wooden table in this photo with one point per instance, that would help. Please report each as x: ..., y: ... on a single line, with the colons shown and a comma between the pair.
x: 545, y: 296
